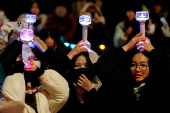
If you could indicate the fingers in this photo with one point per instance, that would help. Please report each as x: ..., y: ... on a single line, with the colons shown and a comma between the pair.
x: 82, y: 79
x: 7, y: 20
x: 139, y: 34
x: 141, y: 38
x: 81, y: 41
x: 83, y: 44
x: 146, y: 45
x: 31, y: 66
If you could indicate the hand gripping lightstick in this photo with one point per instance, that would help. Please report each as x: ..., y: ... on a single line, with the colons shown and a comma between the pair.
x: 26, y: 35
x: 142, y: 16
x: 85, y: 20
x: 30, y: 19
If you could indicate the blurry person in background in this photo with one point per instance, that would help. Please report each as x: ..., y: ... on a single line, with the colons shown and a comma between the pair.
x: 127, y: 28
x: 35, y: 8
x: 76, y: 6
x: 159, y: 18
x: 51, y: 38
x: 97, y: 32
x: 2, y: 16
x: 62, y: 20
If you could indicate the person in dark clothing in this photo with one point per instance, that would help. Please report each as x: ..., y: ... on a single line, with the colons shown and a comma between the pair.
x: 62, y: 20
x: 84, y: 89
x: 136, y: 82
x: 25, y: 89
x: 83, y: 95
x: 51, y: 38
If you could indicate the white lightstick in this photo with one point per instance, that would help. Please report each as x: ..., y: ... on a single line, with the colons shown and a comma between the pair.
x: 30, y: 19
x: 142, y: 16
x: 26, y: 35
x: 85, y: 20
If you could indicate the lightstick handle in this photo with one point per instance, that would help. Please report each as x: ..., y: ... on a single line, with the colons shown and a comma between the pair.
x: 84, y: 32
x: 26, y: 52
x: 30, y: 26
x: 142, y: 28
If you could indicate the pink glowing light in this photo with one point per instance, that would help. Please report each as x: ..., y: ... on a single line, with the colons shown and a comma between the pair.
x: 27, y: 66
x: 26, y: 34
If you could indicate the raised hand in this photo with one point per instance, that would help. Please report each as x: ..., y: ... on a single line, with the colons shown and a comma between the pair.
x: 77, y: 49
x: 146, y: 45
x: 132, y: 43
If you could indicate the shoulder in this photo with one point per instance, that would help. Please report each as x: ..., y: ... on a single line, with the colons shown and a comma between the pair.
x: 42, y: 15
x: 121, y: 24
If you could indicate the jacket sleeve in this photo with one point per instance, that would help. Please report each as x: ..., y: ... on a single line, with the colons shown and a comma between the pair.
x: 13, y: 94
x: 2, y: 45
x: 52, y: 60
x: 9, y: 55
x: 57, y: 88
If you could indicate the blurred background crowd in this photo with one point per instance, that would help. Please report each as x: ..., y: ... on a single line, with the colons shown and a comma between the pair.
x: 113, y: 23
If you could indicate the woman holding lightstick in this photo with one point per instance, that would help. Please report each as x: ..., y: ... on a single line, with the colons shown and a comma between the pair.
x: 136, y: 82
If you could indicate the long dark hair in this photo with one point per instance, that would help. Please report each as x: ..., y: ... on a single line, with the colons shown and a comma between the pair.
x: 86, y: 55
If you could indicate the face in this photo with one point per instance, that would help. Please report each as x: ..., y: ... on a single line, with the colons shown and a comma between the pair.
x: 130, y: 15
x: 35, y: 9
x: 157, y: 8
x: 138, y: 74
x: 60, y: 11
x: 81, y: 62
x: 50, y: 42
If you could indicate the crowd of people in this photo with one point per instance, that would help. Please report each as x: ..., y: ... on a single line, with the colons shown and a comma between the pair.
x: 126, y: 76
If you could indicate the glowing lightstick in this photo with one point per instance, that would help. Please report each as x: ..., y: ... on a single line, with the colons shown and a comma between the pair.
x: 142, y: 16
x: 85, y: 20
x: 30, y: 19
x: 26, y: 35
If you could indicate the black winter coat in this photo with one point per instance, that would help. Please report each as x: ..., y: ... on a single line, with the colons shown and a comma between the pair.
x: 114, y: 73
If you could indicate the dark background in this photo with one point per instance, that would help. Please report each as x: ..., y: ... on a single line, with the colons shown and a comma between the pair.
x: 112, y: 9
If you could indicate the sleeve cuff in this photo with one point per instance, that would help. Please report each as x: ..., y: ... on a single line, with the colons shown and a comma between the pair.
x: 39, y: 72
x: 90, y: 95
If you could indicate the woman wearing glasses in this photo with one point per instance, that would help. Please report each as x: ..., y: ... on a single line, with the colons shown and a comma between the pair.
x: 135, y: 82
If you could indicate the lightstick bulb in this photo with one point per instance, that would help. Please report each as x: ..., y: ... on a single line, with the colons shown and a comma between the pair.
x: 85, y: 20
x: 142, y: 16
x: 30, y: 18
x: 26, y: 35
